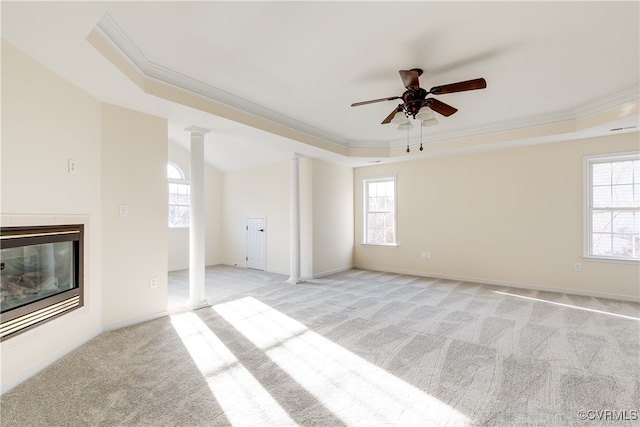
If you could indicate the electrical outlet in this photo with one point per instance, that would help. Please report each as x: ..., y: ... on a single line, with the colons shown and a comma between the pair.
x: 71, y: 166
x: 424, y: 255
x: 428, y: 255
x: 577, y: 266
x: 153, y: 282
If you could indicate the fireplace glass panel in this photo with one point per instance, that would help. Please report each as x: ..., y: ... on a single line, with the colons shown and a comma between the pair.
x: 35, y: 272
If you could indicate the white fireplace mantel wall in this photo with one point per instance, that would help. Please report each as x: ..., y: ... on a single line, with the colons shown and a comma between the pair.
x: 91, y: 282
x: 120, y: 158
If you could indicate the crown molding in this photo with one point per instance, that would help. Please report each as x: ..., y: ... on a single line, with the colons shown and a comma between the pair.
x: 607, y: 103
x: 116, y: 36
x: 492, y: 128
x: 113, y: 33
x: 566, y: 116
x: 109, y: 29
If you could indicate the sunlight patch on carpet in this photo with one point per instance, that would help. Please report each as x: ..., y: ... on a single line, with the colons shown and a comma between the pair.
x: 243, y: 399
x: 567, y: 305
x: 355, y: 390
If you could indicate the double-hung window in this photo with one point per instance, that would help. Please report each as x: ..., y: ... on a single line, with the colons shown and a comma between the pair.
x: 379, y: 211
x: 178, y: 197
x: 613, y: 206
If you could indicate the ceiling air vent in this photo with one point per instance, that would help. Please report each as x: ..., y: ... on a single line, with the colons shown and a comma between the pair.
x: 624, y: 128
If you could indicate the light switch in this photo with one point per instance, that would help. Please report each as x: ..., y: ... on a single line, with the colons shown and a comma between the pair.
x: 124, y: 210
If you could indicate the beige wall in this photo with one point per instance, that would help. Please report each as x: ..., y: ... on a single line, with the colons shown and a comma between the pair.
x: 503, y: 216
x: 332, y: 217
x: 258, y: 192
x: 45, y: 122
x: 326, y: 215
x: 120, y: 158
x: 512, y: 216
x: 179, y: 237
x: 134, y: 247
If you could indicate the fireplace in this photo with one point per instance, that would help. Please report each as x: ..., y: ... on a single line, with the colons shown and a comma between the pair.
x: 41, y: 272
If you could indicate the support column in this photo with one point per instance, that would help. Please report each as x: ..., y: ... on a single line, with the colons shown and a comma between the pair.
x: 197, y: 220
x: 294, y: 214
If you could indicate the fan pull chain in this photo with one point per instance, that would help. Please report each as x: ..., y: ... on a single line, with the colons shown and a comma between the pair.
x: 408, y: 150
x: 421, y: 137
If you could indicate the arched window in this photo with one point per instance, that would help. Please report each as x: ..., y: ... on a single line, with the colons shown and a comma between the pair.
x: 178, y: 196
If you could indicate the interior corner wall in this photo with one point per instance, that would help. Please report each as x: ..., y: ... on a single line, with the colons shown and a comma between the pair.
x: 134, y: 246
x: 512, y: 216
x: 257, y: 192
x: 332, y: 218
x: 178, y: 238
x: 46, y: 121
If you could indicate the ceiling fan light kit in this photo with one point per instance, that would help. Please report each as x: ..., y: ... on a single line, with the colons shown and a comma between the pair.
x: 400, y: 118
x: 416, y: 105
x: 425, y: 113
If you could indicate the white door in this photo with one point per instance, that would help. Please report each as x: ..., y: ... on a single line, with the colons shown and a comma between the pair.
x: 255, y: 243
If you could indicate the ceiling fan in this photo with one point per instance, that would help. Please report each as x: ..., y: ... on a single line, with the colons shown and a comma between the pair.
x: 415, y: 97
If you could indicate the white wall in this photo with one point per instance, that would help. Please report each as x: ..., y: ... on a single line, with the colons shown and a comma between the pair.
x: 134, y: 247
x: 45, y: 122
x: 258, y: 192
x: 179, y: 237
x: 512, y: 215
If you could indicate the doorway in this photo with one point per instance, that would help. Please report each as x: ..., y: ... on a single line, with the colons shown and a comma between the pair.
x: 256, y: 242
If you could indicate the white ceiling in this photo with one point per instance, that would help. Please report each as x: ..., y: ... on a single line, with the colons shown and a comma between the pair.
x: 302, y: 64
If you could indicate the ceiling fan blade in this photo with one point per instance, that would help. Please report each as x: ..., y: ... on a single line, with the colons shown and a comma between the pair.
x: 440, y: 107
x: 390, y: 116
x: 355, y: 104
x: 410, y: 78
x: 459, y: 87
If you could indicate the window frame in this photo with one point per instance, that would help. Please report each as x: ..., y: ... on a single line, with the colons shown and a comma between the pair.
x: 588, y: 163
x: 184, y: 182
x: 365, y: 209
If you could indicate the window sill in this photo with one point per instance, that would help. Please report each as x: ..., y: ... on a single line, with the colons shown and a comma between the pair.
x: 383, y: 245
x: 591, y: 258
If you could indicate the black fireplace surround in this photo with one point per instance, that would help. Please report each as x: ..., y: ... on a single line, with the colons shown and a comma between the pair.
x: 41, y: 272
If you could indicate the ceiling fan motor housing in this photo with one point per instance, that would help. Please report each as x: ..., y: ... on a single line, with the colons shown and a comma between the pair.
x: 415, y: 97
x: 413, y: 101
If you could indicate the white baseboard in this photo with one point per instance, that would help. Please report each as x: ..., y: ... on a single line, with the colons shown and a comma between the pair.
x: 507, y: 284
x: 329, y: 272
x: 243, y: 265
x: 135, y: 321
x: 186, y: 267
x: 304, y: 276
x: 6, y: 386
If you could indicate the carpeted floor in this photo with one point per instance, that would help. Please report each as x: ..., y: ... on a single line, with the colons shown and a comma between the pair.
x: 356, y: 348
